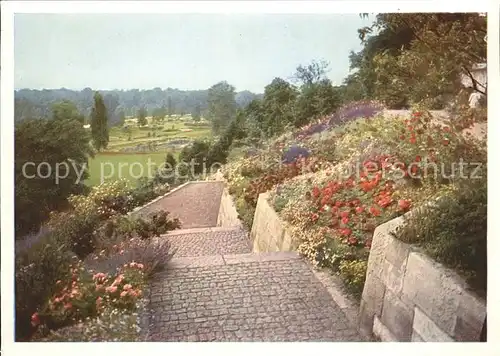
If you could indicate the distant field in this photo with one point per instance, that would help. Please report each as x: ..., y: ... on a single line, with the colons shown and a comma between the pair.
x: 107, y: 165
x: 119, y: 137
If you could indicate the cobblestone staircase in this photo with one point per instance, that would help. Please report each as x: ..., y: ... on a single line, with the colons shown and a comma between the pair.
x: 216, y: 289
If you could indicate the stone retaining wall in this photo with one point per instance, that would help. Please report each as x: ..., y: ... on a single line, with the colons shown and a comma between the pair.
x: 409, y: 297
x: 228, y: 216
x: 269, y: 233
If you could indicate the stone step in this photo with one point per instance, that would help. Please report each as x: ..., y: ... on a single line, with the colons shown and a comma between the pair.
x: 208, y: 241
x: 272, y: 296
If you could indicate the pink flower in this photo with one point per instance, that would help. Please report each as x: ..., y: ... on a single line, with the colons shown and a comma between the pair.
x: 127, y: 287
x: 140, y: 266
x: 123, y: 294
x: 35, y: 320
x: 111, y: 289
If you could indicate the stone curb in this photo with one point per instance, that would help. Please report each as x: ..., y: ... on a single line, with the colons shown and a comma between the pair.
x: 220, y: 260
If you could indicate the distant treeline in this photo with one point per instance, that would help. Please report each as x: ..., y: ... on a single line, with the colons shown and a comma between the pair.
x: 31, y: 103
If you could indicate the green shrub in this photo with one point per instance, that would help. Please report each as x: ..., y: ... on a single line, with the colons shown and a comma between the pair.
x: 157, y: 224
x: 454, y: 232
x: 77, y: 229
x: 353, y: 273
x: 37, y: 270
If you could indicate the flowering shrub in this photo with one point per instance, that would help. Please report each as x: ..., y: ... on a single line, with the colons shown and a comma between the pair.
x: 399, y: 164
x: 293, y: 153
x: 86, y: 295
x: 36, y: 271
x: 111, y: 325
x: 355, y: 110
x: 266, y: 182
x: 108, y: 199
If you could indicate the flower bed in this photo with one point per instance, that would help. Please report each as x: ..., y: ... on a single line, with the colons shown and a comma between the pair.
x: 371, y: 171
x: 84, y: 279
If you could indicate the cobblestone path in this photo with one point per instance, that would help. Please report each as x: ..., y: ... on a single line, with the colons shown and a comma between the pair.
x: 216, y: 289
x: 196, y: 204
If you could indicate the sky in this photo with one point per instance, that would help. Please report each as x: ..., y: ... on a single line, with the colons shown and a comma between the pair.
x: 184, y: 51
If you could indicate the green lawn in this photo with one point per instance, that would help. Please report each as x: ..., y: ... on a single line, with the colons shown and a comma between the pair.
x: 113, y: 166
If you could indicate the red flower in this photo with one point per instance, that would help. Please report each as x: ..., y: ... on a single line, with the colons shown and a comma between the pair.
x: 314, y: 217
x: 35, y: 320
x: 413, y: 140
x: 446, y: 142
x: 417, y: 114
x: 345, y: 232
x: 384, y: 202
x: 316, y: 192
x: 418, y: 159
x: 339, y: 204
x: 344, y: 214
x: 404, y: 204
x: 446, y: 129
x: 375, y: 211
x: 352, y: 240
x: 345, y: 220
x: 402, y: 137
x: 359, y: 209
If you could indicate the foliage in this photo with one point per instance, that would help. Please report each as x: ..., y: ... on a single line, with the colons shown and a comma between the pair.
x: 455, y: 231
x: 66, y: 110
x: 221, y: 106
x: 43, y: 183
x: 293, y: 153
x: 111, y: 325
x: 120, y: 248
x: 419, y: 58
x: 141, y: 117
x: 378, y: 169
x: 85, y: 294
x: 31, y: 103
x: 315, y: 100
x: 277, y: 106
x: 196, y: 155
x: 99, y: 123
x: 354, y: 275
x: 157, y: 224
x: 36, y: 271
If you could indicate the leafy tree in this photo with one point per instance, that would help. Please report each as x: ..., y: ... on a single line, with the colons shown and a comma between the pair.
x: 277, y: 106
x: 112, y: 102
x: 316, y: 99
x: 419, y: 57
x: 66, y: 110
x: 121, y: 117
x: 99, y: 123
x: 311, y: 73
x: 141, y: 116
x: 46, y: 145
x: 221, y: 106
x: 171, y: 108
x: 196, y: 154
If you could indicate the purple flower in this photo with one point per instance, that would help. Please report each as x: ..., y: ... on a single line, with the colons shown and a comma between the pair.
x: 294, y: 153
